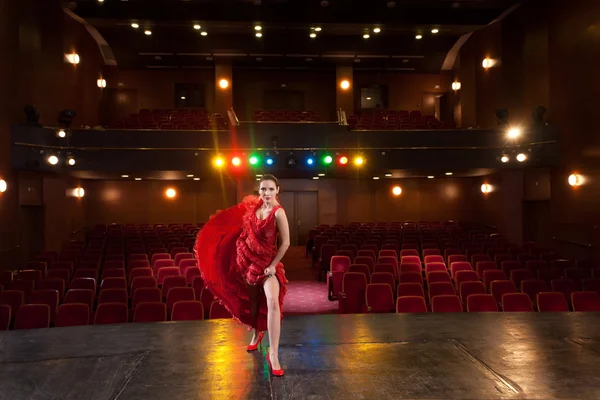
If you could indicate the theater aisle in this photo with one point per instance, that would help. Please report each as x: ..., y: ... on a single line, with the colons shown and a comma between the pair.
x: 306, y: 295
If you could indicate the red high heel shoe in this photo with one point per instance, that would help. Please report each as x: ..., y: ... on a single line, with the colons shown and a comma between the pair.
x: 254, y: 347
x: 275, y: 372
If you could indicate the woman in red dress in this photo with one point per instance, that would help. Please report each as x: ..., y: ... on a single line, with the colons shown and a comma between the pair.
x: 239, y: 260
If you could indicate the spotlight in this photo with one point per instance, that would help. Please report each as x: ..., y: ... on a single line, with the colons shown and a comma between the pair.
x: 170, y: 193
x: 327, y: 159
x: 396, y: 190
x: 236, y: 161
x: 575, y: 180
x: 101, y: 83
x: 435, y: 30
x: 3, y: 186
x: 419, y: 37
x: 258, y: 34
x: 310, y: 161
x: 318, y: 29
x: 61, y: 133
x: 343, y: 160
x: 359, y: 161
x: 32, y: 115
x: 197, y: 27
x: 218, y: 162
x: 521, y: 157
x: 71, y: 161
x: 135, y: 26
x: 203, y: 33
x: 376, y: 30
x: 52, y: 160
x: 486, y: 188
x: 505, y: 158
x: 147, y: 32
x: 488, y: 63
x: 313, y: 35
x: 270, y: 161
x: 366, y: 36
x: 253, y: 160
x: 514, y: 133
x: 502, y: 115
x: 65, y: 117
x: 257, y: 27
x: 538, y: 115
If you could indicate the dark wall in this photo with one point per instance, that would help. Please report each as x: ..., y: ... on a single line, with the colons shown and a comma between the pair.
x: 548, y: 52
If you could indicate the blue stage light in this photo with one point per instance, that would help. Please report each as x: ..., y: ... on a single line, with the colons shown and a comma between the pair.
x: 269, y: 161
x: 310, y: 161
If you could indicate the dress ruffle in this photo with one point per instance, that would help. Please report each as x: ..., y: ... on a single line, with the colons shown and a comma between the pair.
x: 233, y: 249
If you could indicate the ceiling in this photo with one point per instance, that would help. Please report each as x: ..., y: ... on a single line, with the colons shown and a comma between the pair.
x: 286, y: 25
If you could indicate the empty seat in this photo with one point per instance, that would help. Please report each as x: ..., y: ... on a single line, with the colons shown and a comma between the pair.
x: 552, y: 301
x: 564, y: 286
x: 509, y: 265
x: 218, y: 310
x: 141, y: 282
x: 585, y: 301
x: 500, y: 287
x: 516, y: 302
x: 438, y: 276
x: 531, y: 287
x: 407, y: 277
x: 150, y: 312
x: 440, y: 289
x: 83, y: 283
x: 352, y: 296
x: 111, y: 313
x: 72, y: 315
x: 591, y: 285
x: 33, y: 316
x: 459, y: 266
x: 22, y: 285
x: 5, y: 317
x: 48, y: 297
x: 469, y: 288
x: 113, y: 283
x: 434, y: 259
x: 187, y: 311
x: 12, y: 298
x: 446, y: 303
x: 113, y: 296
x: 113, y: 273
x: 465, y: 276
x: 519, y: 275
x: 145, y: 295
x: 57, y: 284
x: 481, y: 303
x: 410, y: 289
x: 411, y: 304
x: 379, y: 298
x: 404, y: 267
x: 34, y: 275
x: 492, y: 275
x: 177, y: 294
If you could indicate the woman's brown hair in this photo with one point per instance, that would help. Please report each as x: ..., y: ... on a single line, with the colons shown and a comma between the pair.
x: 269, y: 177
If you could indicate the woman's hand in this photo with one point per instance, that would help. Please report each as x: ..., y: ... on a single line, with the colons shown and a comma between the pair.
x: 270, y: 271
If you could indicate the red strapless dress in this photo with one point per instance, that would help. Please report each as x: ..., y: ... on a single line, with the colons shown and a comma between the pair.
x: 233, y: 248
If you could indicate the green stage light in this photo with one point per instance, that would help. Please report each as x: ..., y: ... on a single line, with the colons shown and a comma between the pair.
x: 327, y: 159
x: 254, y: 160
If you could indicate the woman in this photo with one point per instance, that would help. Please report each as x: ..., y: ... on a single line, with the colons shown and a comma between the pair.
x: 239, y: 260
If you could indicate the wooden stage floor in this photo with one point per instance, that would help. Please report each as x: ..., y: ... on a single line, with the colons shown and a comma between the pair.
x: 384, y: 356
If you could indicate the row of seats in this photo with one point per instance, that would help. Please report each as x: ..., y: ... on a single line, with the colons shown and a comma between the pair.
x: 172, y: 119
x: 285, y: 116
x: 396, y: 120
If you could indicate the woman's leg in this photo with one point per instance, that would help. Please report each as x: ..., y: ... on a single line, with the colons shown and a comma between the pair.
x: 254, y: 293
x: 271, y: 287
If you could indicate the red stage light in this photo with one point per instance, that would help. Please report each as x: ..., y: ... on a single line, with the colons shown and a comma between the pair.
x: 344, y: 160
x: 236, y: 161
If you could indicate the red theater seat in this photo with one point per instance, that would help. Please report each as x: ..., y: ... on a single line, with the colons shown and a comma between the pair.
x: 72, y: 315
x: 111, y: 313
x: 34, y: 275
x: 187, y: 311
x: 470, y: 287
x: 150, y: 312
x: 80, y: 296
x: 12, y: 298
x: 22, y: 285
x: 446, y: 303
x: 481, y: 303
x: 177, y: 294
x: 33, y: 316
x: 352, y: 296
x: 410, y: 289
x: 440, y: 289
x: 49, y: 297
x: 585, y: 301
x: 338, y: 267
x: 516, y: 302
x: 5, y: 317
x: 411, y: 304
x: 500, y: 287
x: 113, y: 296
x: 217, y: 310
x: 379, y: 298
x: 552, y: 301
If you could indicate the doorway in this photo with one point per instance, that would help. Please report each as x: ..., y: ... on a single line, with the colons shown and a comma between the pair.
x: 32, y: 230
x: 536, y: 219
x: 302, y: 209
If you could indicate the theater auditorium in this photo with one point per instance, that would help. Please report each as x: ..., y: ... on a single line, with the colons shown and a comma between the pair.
x: 439, y: 169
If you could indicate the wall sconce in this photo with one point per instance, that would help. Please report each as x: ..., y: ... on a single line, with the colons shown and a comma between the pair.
x: 575, y: 180
x: 486, y: 188
x: 72, y: 58
x: 78, y: 192
x: 3, y: 186
x: 396, y: 190
x: 488, y: 63
x: 345, y: 85
x: 456, y: 86
x: 223, y: 83
x: 101, y: 83
x: 170, y: 193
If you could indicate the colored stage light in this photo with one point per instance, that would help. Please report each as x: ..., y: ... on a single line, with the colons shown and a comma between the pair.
x: 359, y: 161
x: 218, y: 162
x: 236, y: 161
x: 327, y: 159
x: 254, y: 160
x: 310, y: 161
x: 270, y: 161
x: 343, y: 160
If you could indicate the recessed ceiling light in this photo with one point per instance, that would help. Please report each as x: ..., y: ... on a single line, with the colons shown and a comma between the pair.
x: 182, y: 97
x: 148, y: 32
x: 376, y: 177
x: 196, y: 179
x: 366, y: 36
x: 135, y: 26
x: 435, y: 30
x: 124, y: 176
x: 203, y: 33
x: 318, y: 29
x: 376, y: 30
x: 321, y: 174
x: 138, y: 179
x: 100, y: 1
x: 315, y: 178
x: 418, y: 37
x: 368, y: 98
x: 388, y: 175
x: 313, y: 35
x: 258, y: 34
x: 448, y: 173
x: 190, y: 176
x: 197, y: 27
x: 430, y: 177
x: 257, y: 27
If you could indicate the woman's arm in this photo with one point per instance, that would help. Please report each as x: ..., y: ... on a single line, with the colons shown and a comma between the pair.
x: 284, y: 232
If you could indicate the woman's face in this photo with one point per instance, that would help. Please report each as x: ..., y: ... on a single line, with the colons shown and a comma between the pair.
x: 268, y: 190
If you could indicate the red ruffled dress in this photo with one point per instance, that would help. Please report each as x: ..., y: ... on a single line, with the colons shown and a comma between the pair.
x: 233, y: 248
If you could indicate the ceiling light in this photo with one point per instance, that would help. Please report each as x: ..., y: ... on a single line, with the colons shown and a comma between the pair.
x: 79, y: 192
x: 376, y: 178
x: 61, y: 133
x: 257, y: 27
x: 419, y: 37
x: 3, y: 186
x: 521, y: 157
x: 135, y: 26
x: 376, y: 30
x: 318, y: 29
x: 313, y: 35
x: 138, y: 179
x: 488, y: 63
x: 448, y: 173
x: 505, y: 158
x: 124, y: 176
x: 100, y: 1
x: 182, y: 97
x: 366, y: 36
x: 435, y: 30
x: 53, y: 160
x: 315, y: 178
x: 321, y: 174
x: 388, y: 175
x: 204, y: 33
x: 71, y: 161
x: 197, y: 27
x: 430, y: 177
x: 148, y: 32
x: 196, y: 179
x: 190, y: 175
x: 258, y: 34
